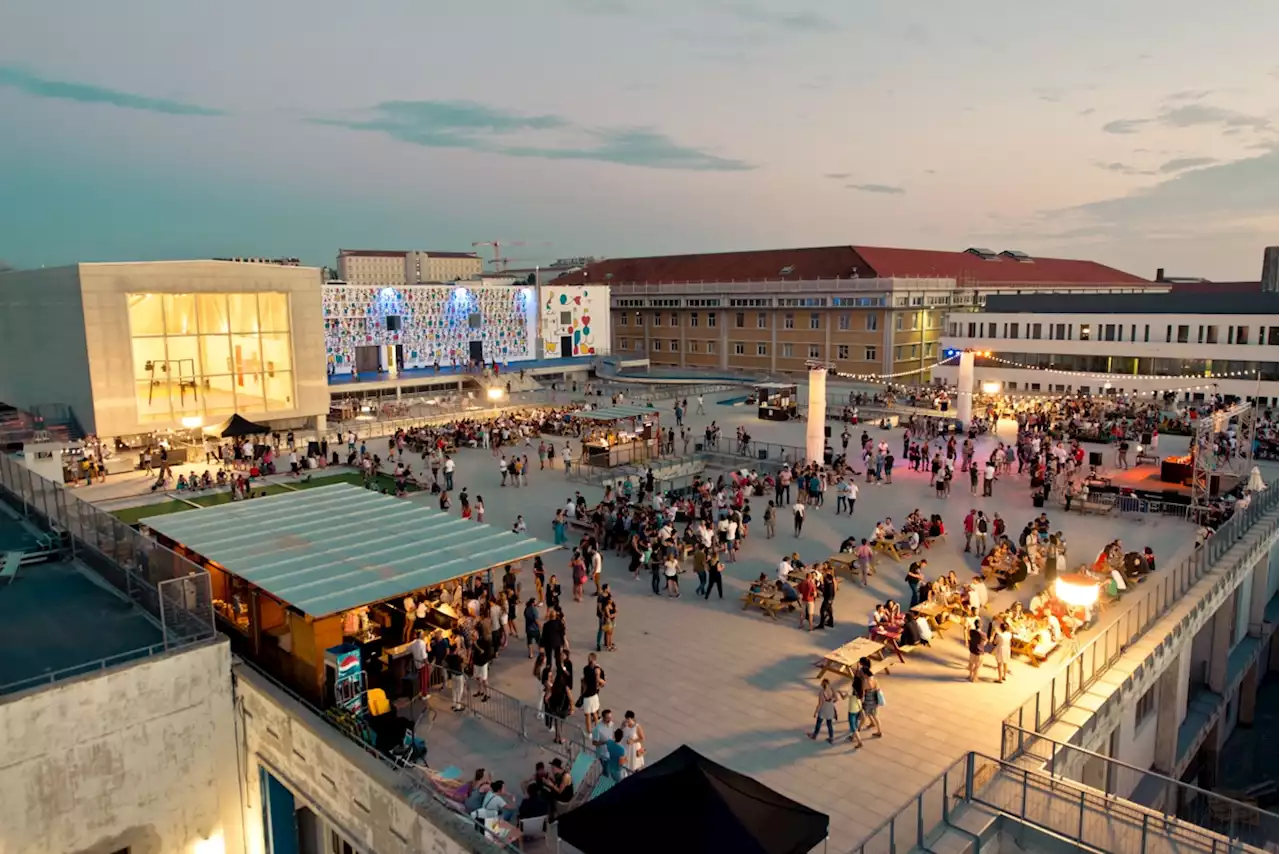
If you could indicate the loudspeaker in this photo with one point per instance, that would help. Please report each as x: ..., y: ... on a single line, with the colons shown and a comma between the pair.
x: 1144, y: 439
x: 763, y: 453
x: 1215, y: 485
x: 828, y: 431
x: 1095, y: 458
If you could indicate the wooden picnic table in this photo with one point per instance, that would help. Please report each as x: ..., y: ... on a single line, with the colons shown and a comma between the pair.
x: 1036, y: 653
x: 843, y: 661
x: 936, y: 613
x: 766, y: 600
x: 887, y: 547
x: 846, y: 562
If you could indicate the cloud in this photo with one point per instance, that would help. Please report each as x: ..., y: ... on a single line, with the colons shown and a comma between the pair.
x: 1124, y: 125
x: 1195, y: 115
x: 84, y: 93
x: 1180, y: 164
x: 885, y: 189
x: 1049, y: 95
x: 804, y: 21
x: 837, y: 175
x: 1189, y: 95
x: 1233, y: 195
x: 1087, y: 111
x: 1123, y: 169
x: 477, y: 127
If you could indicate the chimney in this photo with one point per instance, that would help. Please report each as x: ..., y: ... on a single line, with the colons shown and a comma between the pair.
x: 1159, y: 274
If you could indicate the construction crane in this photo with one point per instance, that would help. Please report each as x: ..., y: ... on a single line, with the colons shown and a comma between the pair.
x: 498, y: 261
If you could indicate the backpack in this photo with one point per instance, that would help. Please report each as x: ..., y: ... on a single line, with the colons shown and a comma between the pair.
x: 982, y: 525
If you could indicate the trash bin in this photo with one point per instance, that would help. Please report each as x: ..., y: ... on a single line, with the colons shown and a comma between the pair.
x: 763, y: 453
x: 697, y: 447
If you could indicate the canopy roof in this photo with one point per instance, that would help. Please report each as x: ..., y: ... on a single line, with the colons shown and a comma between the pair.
x: 704, y: 807
x: 332, y: 548
x: 614, y: 413
x: 775, y: 385
x: 237, y: 426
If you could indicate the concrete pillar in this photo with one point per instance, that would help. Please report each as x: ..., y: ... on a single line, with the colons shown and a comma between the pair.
x: 722, y: 318
x: 322, y: 426
x: 815, y: 428
x: 773, y: 341
x: 828, y: 354
x: 964, y: 389
x: 887, y: 362
x: 683, y: 318
x: 1168, y: 719
x: 1223, y: 627
x: 1248, y: 696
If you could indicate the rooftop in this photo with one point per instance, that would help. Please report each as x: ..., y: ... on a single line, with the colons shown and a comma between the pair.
x: 1176, y: 302
x: 56, y: 619
x: 971, y: 268
x: 333, y: 548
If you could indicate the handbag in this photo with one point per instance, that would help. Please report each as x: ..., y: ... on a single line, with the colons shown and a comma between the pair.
x: 880, y: 698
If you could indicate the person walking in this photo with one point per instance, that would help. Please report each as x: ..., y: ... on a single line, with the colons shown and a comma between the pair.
x: 968, y: 529
x: 808, y: 594
x: 715, y: 576
x: 865, y: 558
x: 701, y: 409
x: 825, y: 712
x: 797, y: 512
x: 915, y: 577
x: 980, y: 528
x: 872, y: 699
x: 770, y: 521
x: 853, y: 710
x: 851, y: 495
x: 827, y: 613
x: 633, y: 741
x: 976, y: 642
x: 1002, y: 645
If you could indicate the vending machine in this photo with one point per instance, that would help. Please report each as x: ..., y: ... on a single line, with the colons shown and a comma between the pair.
x: 344, y: 676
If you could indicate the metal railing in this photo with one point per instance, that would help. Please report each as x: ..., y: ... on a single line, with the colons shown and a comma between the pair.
x: 1155, y: 597
x: 1090, y: 818
x: 95, y: 666
x: 171, y: 589
x: 1239, y: 822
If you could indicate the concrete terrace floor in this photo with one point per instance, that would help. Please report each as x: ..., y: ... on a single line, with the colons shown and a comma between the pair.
x: 740, y: 688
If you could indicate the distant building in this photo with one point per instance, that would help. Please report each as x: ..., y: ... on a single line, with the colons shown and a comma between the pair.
x: 391, y: 268
x: 1270, y: 264
x: 282, y: 262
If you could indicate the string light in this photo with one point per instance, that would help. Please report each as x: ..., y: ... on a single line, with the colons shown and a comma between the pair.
x: 1115, y: 376
x: 893, y: 376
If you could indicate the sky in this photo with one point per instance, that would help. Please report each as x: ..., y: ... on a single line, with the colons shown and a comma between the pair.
x: 1141, y: 134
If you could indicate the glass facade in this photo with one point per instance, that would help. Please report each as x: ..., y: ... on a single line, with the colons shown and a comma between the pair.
x: 202, y: 357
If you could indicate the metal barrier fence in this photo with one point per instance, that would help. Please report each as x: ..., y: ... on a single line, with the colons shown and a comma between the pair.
x: 1239, y: 822
x: 1156, y: 596
x: 530, y: 724
x: 172, y: 589
x: 1091, y: 819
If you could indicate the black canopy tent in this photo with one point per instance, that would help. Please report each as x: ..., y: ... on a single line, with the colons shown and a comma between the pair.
x: 705, y: 808
x: 237, y: 427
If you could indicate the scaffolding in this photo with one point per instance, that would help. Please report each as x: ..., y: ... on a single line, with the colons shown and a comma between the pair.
x: 1221, y: 450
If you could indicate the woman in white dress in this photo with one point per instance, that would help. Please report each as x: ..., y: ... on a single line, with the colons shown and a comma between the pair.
x: 633, y: 742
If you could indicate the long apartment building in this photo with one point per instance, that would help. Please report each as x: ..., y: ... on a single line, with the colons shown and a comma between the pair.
x: 391, y: 268
x: 1228, y: 342
x: 868, y: 310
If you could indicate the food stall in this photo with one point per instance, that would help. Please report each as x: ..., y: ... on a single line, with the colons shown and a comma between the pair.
x: 619, y: 435
x: 310, y: 584
x: 777, y: 401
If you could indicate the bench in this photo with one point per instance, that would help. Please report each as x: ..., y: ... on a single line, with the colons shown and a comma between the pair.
x: 1038, y: 653
x: 1087, y: 507
x: 766, y: 601
x: 581, y: 525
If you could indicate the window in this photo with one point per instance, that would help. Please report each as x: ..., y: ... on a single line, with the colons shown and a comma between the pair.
x: 1273, y: 336
x: 1085, y: 332
x: 786, y: 350
x: 897, y: 324
x: 1035, y: 330
x: 991, y: 330
x: 693, y: 346
x: 1146, y: 333
x: 657, y: 318
x: 928, y: 349
x: 1184, y: 334
x: 843, y: 323
x: 1013, y: 330
x: 711, y: 318
x: 842, y: 351
x: 675, y: 319
x: 739, y: 348
x: 789, y: 321
x: 973, y: 329
x: 693, y: 319
x: 1109, y: 332
x: 869, y: 354
x: 815, y: 320
x: 740, y: 319
x: 815, y: 352
x: 762, y: 349
x: 711, y: 346
x: 898, y: 353
x: 1060, y: 331
x: 1200, y: 334
x: 1133, y: 332
x: 639, y: 345
x: 1146, y: 706
x: 915, y: 351
x: 675, y: 345
x: 623, y: 318
x: 622, y: 342
x: 639, y: 319
x: 872, y: 322
x: 762, y: 321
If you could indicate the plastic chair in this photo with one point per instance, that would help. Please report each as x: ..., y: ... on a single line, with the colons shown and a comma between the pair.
x: 378, y: 703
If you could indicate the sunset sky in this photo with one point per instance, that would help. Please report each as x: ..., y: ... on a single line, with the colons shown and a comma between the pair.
x: 1141, y: 134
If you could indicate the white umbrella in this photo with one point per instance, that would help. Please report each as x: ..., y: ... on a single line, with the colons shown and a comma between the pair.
x: 1255, y: 483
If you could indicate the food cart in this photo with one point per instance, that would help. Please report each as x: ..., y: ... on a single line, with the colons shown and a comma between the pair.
x: 777, y: 402
x: 298, y: 575
x: 619, y: 435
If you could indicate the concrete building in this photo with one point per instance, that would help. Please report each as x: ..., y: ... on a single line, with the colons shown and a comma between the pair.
x: 868, y: 310
x: 1118, y: 343
x: 395, y: 268
x: 136, y: 348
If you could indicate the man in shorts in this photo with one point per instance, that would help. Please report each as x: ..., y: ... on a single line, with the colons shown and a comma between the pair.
x: 592, y: 682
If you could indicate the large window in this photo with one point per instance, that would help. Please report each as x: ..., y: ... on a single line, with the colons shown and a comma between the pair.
x: 200, y: 357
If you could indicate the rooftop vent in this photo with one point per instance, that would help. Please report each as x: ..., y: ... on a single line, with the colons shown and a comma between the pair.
x: 1018, y: 255
x: 984, y: 254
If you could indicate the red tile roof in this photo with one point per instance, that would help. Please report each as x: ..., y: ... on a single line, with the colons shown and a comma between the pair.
x: 432, y: 253
x: 825, y: 262
x: 1216, y: 287
x: 842, y: 262
x: 969, y: 270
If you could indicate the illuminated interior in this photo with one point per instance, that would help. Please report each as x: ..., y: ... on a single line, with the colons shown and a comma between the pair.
x: 206, y: 356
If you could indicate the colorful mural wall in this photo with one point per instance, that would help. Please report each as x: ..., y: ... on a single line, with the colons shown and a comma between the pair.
x: 435, y: 323
x: 580, y: 313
